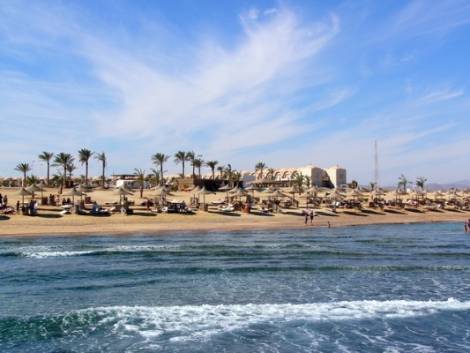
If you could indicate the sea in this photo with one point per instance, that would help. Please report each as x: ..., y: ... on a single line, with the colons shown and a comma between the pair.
x: 377, y: 288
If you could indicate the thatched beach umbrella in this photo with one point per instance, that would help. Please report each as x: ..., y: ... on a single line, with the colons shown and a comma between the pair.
x: 23, y: 192
x: 437, y: 195
x: 205, y: 192
x: 270, y: 190
x: 85, y: 188
x: 122, y: 192
x: 252, y: 188
x: 73, y: 193
x: 34, y: 188
x: 225, y: 187
x: 355, y: 194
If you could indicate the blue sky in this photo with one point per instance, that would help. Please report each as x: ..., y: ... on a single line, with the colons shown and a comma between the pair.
x: 286, y: 82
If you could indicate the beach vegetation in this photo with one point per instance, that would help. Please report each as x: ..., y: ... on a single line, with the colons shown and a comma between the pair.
x: 47, y: 157
x: 23, y: 168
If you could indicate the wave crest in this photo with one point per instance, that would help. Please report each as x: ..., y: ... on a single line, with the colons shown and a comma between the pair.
x: 201, y: 321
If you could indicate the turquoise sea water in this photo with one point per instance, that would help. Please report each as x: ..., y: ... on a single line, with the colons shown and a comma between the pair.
x: 393, y: 288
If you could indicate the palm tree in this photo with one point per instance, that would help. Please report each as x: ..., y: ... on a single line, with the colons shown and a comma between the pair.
x: 32, y: 180
x: 23, y: 168
x: 159, y: 159
x: 71, y: 167
x: 84, y: 156
x: 260, y: 166
x: 271, y: 172
x: 155, y: 176
x: 197, y: 163
x: 420, y: 182
x: 181, y: 157
x: 211, y: 165
x: 140, y: 174
x: 63, y: 160
x: 402, y: 183
x: 47, y: 157
x: 228, y: 173
x: 191, y: 156
x: 221, y: 170
x: 298, y: 180
x: 102, y: 158
x: 307, y: 181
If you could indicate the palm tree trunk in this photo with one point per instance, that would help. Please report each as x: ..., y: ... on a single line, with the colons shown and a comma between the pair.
x: 24, y: 180
x: 64, y: 179
x: 48, y: 170
x: 161, y: 173
x: 86, y: 173
x: 183, y: 167
x: 102, y: 175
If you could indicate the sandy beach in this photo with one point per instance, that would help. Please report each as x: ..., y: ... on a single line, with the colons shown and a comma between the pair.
x: 50, y: 222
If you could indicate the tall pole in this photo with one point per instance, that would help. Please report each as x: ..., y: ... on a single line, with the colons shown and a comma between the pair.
x: 376, y: 165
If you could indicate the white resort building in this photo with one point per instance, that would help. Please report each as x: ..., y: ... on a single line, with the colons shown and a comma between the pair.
x: 330, y: 177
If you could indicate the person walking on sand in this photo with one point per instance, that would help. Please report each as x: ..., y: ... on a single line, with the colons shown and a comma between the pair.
x: 312, y: 215
x: 306, y: 217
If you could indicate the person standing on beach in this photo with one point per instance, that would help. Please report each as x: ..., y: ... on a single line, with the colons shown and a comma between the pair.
x: 306, y: 217
x: 312, y: 215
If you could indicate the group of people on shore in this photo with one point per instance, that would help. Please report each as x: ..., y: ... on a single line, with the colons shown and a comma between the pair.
x: 309, y: 214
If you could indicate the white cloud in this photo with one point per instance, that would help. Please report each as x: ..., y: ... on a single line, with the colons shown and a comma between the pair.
x: 224, y: 90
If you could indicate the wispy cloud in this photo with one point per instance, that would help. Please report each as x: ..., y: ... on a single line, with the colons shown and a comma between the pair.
x: 281, y: 85
x: 223, y: 90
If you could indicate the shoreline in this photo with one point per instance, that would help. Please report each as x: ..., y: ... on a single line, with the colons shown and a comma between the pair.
x: 22, y: 226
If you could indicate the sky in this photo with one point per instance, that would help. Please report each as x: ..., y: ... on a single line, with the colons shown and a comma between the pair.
x: 289, y: 83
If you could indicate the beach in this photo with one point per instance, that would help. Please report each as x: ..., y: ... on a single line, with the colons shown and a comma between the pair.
x: 50, y: 222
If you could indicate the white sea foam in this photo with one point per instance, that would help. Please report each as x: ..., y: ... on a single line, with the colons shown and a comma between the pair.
x: 45, y: 254
x: 198, y: 322
x: 41, y: 252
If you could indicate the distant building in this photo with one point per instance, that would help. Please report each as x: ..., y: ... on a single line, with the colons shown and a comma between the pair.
x: 284, y: 177
x: 337, y: 175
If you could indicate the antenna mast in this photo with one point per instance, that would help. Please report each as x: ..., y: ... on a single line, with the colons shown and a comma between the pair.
x: 376, y: 165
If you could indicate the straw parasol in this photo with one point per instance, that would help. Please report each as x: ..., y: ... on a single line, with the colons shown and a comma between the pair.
x: 196, y: 189
x: 85, y: 188
x: 438, y: 195
x: 204, y: 192
x: 73, y: 193
x: 277, y: 194
x: 122, y: 191
x: 355, y: 194
x: 252, y: 188
x: 23, y: 192
x: 225, y: 187
x: 34, y: 188
x: 270, y: 190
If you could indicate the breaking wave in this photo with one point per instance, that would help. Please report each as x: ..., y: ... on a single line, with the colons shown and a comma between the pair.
x: 182, y: 323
